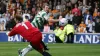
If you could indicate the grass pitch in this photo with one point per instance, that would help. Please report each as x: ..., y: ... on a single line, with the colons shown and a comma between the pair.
x: 10, y: 49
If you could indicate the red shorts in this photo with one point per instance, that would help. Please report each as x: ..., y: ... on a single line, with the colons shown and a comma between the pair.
x: 36, y: 41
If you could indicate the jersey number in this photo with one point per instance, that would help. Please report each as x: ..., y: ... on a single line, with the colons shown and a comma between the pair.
x: 23, y: 24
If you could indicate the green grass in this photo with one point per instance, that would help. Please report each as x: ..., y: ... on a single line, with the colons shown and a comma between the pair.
x: 10, y: 49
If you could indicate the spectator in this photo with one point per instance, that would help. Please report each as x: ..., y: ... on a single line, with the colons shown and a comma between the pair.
x: 80, y: 6
x: 63, y: 7
x: 69, y: 16
x: 18, y: 12
x: 82, y: 27
x: 2, y: 7
x: 88, y: 17
x: 95, y: 13
x: 2, y: 23
x: 89, y: 27
x: 10, y: 24
x: 31, y: 18
x: 90, y: 11
x: 84, y: 9
x: 18, y: 4
x: 90, y: 8
x: 46, y: 28
x: 51, y: 24
x: 7, y: 15
x: 76, y: 11
x: 97, y: 17
x: 76, y: 19
x: 69, y: 5
x: 58, y: 7
x: 2, y: 26
x: 50, y: 5
x: 55, y: 12
x: 97, y: 26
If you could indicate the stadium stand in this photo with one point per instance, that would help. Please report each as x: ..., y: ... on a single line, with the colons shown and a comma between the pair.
x: 74, y: 12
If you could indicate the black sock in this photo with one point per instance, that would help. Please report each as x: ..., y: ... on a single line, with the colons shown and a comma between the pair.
x: 46, y: 54
x: 45, y: 47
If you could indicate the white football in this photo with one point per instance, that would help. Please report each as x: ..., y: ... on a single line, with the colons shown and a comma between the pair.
x: 63, y: 22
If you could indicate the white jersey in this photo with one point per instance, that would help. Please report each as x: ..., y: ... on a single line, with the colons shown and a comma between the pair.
x: 40, y: 19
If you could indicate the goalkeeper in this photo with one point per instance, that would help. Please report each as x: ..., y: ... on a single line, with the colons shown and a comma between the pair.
x: 30, y: 33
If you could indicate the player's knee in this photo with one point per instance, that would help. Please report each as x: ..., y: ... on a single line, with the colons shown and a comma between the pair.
x: 29, y: 46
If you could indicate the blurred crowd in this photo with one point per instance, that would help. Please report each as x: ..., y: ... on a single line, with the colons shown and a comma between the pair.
x: 84, y: 17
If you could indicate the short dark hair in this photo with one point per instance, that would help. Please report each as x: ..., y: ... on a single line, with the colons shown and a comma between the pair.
x: 26, y: 17
x: 19, y: 18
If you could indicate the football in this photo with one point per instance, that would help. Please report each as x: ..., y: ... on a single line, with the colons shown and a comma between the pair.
x: 63, y: 22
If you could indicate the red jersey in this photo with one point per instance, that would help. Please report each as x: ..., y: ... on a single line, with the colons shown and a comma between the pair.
x: 26, y: 30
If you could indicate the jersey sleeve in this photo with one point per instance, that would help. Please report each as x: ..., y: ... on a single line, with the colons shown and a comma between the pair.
x: 45, y: 16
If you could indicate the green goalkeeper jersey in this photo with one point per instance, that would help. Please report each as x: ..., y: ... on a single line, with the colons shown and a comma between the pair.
x: 40, y: 19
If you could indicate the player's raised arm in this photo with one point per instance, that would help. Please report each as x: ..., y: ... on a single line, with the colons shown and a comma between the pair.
x: 53, y: 20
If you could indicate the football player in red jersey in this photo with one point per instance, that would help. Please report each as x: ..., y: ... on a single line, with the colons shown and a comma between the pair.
x: 30, y: 33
